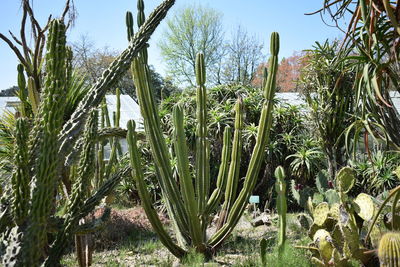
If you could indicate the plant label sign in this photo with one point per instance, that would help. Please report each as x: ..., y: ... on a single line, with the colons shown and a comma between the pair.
x: 254, y: 199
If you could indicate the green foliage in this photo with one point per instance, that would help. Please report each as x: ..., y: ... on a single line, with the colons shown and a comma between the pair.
x: 327, y: 82
x: 376, y: 172
x: 305, y: 162
x: 192, y: 29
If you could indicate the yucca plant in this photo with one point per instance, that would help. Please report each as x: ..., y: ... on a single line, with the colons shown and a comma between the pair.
x: 189, y: 201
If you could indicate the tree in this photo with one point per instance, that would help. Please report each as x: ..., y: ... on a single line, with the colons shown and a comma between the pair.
x: 90, y: 62
x: 243, y: 56
x: 191, y: 30
x: 289, y: 73
x: 12, y: 91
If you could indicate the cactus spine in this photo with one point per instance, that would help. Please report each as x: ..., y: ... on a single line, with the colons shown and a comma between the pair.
x: 190, y: 204
x: 280, y: 187
x: 389, y: 250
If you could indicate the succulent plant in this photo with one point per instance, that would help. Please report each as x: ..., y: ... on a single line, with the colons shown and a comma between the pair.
x: 337, y: 228
x: 263, y: 251
x: 325, y: 192
x: 389, y: 249
x: 281, y: 204
x: 190, y: 204
x: 49, y: 149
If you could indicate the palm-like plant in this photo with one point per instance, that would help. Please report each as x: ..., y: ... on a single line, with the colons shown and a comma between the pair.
x: 305, y: 162
x: 328, y: 86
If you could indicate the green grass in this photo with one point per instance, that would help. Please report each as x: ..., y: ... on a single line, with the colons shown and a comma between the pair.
x: 143, y: 248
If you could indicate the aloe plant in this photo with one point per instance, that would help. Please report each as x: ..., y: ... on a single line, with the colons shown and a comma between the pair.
x: 190, y: 202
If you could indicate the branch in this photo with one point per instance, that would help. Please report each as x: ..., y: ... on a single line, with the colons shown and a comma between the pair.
x: 13, y: 48
x: 110, y: 77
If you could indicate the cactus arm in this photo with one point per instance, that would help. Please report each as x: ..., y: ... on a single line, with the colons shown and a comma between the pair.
x: 104, y: 190
x: 280, y: 187
x: 33, y: 95
x: 22, y: 93
x: 117, y: 68
x: 79, y: 190
x: 394, y: 213
x: 185, y: 178
x: 234, y: 168
x: 158, y: 145
x: 202, y: 172
x: 46, y: 143
x: 20, y: 178
x: 259, y: 149
x: 129, y: 25
x: 144, y: 194
x: 222, y: 173
x: 118, y: 111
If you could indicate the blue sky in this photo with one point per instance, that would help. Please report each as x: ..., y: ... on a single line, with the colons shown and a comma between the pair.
x: 103, y: 21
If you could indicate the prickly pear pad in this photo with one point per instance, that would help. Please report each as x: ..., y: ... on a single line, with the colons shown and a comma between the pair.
x: 321, y: 213
x: 364, y: 206
x: 345, y: 179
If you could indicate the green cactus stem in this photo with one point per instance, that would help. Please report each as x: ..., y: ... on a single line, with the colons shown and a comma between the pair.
x: 21, y: 177
x: 79, y: 190
x: 389, y: 250
x: 280, y: 187
x: 137, y: 173
x: 263, y: 251
x: 190, y: 208
x: 117, y: 68
x: 258, y: 151
x: 234, y: 168
x: 202, y: 143
x: 51, y: 118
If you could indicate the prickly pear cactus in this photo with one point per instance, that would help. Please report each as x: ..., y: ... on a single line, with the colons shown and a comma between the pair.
x: 389, y: 250
x: 343, y: 222
x: 364, y: 206
x: 345, y: 179
x: 324, y: 242
x: 332, y: 196
x: 321, y: 212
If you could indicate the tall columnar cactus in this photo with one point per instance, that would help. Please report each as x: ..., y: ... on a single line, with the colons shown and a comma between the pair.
x: 281, y: 204
x: 46, y: 142
x: 191, y: 203
x: 51, y: 145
